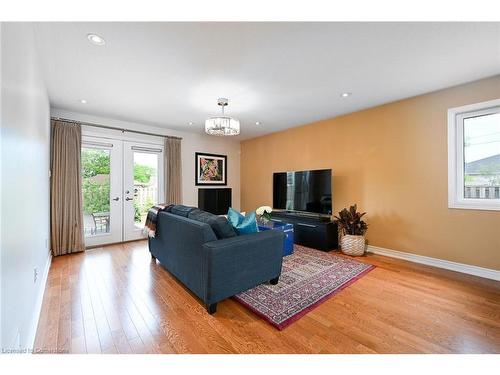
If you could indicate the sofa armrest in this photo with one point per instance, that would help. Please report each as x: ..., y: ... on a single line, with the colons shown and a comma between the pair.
x: 236, y: 264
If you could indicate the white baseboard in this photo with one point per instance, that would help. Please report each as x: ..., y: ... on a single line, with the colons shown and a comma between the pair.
x: 440, y: 263
x: 38, y: 302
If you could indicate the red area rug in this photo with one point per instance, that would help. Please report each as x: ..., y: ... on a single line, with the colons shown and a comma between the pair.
x: 308, y: 278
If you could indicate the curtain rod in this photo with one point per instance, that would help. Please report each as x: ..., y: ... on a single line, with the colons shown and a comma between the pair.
x: 110, y: 127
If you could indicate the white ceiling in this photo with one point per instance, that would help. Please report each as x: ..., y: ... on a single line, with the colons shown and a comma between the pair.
x: 281, y: 74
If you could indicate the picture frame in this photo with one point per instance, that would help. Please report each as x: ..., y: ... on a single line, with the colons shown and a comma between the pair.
x: 210, y: 169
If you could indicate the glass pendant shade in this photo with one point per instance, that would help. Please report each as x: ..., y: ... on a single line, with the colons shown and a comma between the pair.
x: 222, y: 126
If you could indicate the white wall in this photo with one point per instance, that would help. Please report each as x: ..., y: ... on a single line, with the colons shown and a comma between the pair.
x: 25, y: 127
x: 191, y: 143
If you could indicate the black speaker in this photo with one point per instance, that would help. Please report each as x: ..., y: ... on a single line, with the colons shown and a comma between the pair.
x: 216, y: 201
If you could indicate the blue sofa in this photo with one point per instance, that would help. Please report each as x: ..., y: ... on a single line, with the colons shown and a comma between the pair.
x: 207, y: 256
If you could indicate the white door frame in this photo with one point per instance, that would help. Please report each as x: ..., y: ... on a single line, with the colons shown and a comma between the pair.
x: 120, y: 213
x: 116, y: 181
x: 130, y: 231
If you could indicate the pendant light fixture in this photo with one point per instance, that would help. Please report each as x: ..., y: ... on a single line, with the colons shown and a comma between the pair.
x: 222, y: 125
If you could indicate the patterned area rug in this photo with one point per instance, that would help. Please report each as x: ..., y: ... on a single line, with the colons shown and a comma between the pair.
x: 308, y: 278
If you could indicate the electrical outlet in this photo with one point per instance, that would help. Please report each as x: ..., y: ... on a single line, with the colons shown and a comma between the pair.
x: 47, y: 243
x: 35, y: 275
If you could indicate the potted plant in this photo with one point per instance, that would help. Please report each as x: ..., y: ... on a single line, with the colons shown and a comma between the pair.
x: 353, y: 230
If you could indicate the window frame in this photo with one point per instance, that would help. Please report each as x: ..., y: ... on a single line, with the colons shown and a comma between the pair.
x: 456, y: 193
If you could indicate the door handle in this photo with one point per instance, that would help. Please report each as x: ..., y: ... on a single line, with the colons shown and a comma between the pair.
x: 129, y: 199
x: 116, y: 199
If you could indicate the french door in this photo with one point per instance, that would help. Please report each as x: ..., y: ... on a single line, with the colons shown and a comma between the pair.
x: 121, y: 180
x: 142, y: 185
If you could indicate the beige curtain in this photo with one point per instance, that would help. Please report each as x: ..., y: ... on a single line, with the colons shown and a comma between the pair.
x: 173, y: 171
x: 66, y: 216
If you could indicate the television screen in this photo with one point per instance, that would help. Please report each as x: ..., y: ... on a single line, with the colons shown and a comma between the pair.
x: 309, y: 191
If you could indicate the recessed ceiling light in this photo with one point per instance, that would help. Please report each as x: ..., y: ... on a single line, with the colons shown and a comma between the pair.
x: 345, y: 94
x: 191, y: 122
x: 83, y: 101
x: 257, y: 123
x: 96, y: 39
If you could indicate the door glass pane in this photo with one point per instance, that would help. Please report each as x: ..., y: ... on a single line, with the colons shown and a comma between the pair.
x: 482, y: 157
x: 95, y: 190
x: 145, y: 185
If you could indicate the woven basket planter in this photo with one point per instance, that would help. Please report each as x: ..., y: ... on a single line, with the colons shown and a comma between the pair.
x: 352, y: 245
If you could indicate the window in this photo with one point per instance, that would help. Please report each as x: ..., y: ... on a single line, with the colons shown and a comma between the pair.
x: 474, y: 156
x: 95, y: 189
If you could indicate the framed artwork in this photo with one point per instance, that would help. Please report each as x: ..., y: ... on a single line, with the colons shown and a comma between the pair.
x: 210, y: 169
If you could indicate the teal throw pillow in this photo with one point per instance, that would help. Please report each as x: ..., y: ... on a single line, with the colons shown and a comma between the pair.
x: 242, y: 224
x: 234, y: 217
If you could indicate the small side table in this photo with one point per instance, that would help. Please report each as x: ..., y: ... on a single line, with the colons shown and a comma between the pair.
x: 285, y: 228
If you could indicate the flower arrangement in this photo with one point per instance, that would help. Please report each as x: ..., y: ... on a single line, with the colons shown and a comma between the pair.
x: 264, y: 213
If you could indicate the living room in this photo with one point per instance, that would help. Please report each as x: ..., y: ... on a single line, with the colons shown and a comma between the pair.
x: 250, y: 188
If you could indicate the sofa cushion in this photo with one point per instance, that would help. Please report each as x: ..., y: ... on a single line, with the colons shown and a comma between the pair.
x: 222, y: 228
x: 219, y: 224
x: 248, y: 224
x: 234, y: 217
x: 181, y: 210
x: 243, y: 224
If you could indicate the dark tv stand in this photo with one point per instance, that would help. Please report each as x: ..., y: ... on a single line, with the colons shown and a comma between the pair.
x: 310, y: 230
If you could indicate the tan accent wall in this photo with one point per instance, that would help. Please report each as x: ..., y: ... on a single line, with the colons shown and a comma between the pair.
x: 392, y: 161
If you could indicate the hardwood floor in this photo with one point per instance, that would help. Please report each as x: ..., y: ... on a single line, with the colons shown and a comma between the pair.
x: 115, y: 299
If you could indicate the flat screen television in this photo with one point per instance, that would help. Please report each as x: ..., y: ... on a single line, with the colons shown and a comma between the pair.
x: 306, y: 191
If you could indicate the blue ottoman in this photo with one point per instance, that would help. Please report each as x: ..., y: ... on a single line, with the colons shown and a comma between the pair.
x: 284, y: 227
